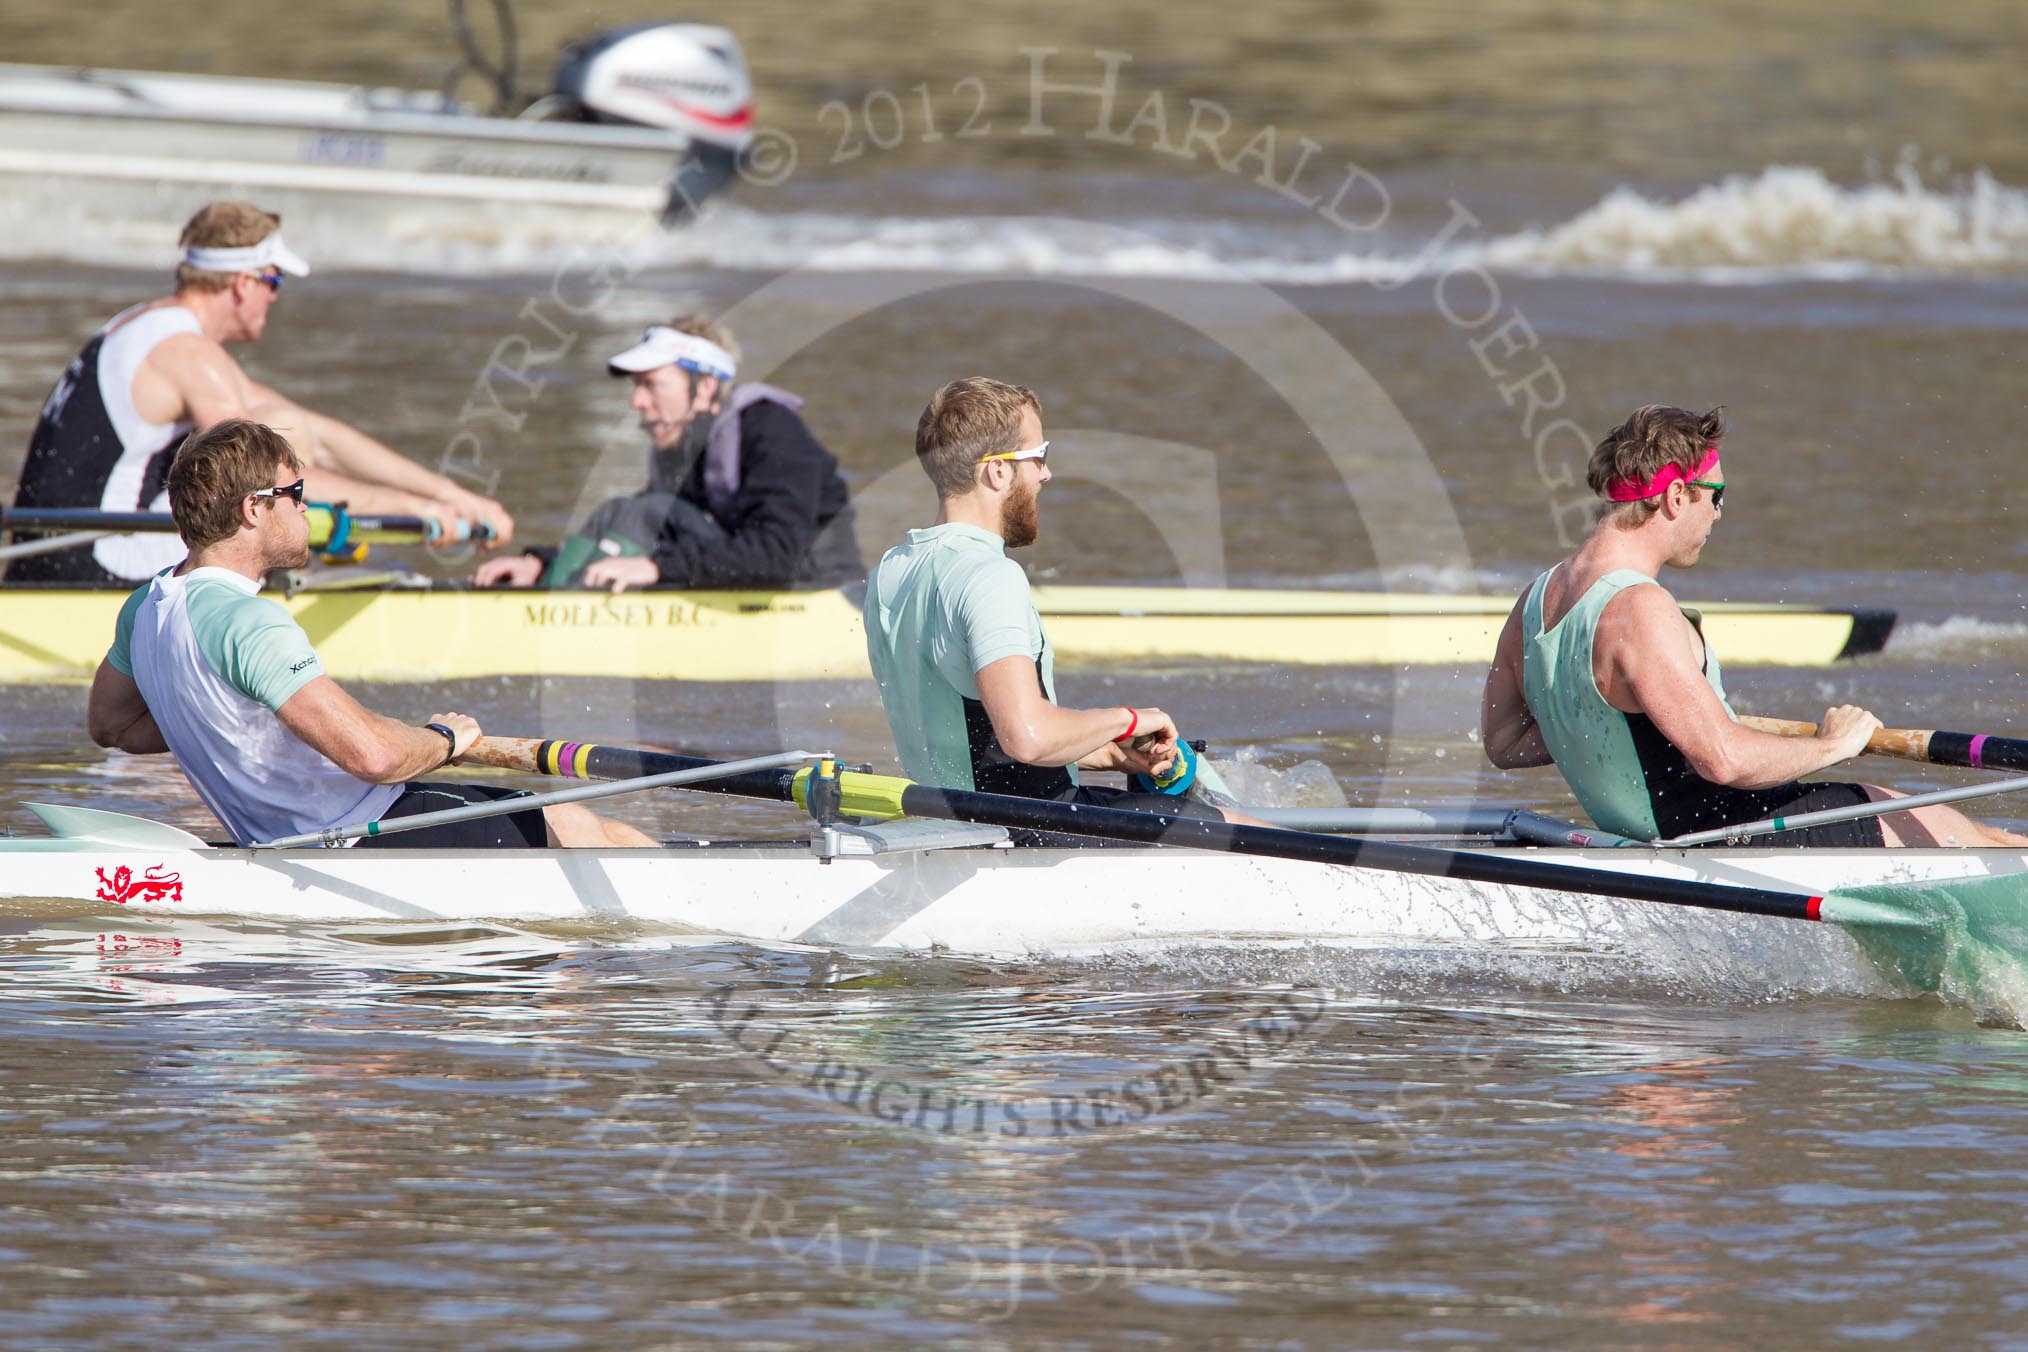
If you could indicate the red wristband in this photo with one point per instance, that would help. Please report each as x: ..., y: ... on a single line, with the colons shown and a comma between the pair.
x: 1133, y: 721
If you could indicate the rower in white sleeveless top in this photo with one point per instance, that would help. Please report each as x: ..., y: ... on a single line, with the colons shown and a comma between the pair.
x: 160, y: 370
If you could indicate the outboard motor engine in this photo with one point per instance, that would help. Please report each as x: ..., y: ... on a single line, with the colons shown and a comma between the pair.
x: 684, y: 77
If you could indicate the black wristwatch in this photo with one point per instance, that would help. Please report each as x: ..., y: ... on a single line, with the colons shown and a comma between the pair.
x: 450, y: 742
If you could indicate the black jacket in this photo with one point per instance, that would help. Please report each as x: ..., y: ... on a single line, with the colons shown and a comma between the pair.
x: 791, y: 522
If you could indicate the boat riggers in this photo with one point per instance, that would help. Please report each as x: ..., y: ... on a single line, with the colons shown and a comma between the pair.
x: 1744, y: 831
x: 1958, y: 931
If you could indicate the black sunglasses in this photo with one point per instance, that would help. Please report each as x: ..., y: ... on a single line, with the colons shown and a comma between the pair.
x: 1717, y: 488
x: 293, y: 492
x: 273, y: 281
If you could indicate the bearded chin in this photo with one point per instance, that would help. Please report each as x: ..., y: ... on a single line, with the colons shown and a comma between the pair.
x: 1019, y: 523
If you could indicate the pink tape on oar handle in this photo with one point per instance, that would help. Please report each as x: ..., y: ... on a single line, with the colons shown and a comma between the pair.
x: 1978, y: 746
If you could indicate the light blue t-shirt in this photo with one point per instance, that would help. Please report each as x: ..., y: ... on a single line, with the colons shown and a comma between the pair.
x: 940, y: 607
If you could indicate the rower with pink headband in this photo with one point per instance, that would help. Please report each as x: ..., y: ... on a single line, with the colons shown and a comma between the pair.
x: 1600, y: 673
x: 1658, y: 484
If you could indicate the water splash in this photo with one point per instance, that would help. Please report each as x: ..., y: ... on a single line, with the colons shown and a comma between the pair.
x: 1964, y: 939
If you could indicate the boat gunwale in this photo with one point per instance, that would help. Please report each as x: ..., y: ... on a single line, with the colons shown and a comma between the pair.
x: 448, y: 125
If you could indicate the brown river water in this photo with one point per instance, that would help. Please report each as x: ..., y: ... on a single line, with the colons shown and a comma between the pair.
x: 1813, y: 213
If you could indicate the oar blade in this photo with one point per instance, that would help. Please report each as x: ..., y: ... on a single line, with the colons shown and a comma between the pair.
x: 1965, y: 939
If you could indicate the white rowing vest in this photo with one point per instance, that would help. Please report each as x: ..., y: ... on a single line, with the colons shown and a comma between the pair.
x: 93, y: 449
x: 214, y: 659
x: 127, y: 345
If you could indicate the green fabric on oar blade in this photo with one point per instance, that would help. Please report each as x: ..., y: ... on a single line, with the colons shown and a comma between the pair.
x: 1963, y: 938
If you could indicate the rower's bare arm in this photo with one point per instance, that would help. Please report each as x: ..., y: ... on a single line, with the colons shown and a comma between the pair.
x: 1511, y: 735
x: 117, y: 715
x: 1652, y: 659
x: 360, y: 742
x: 189, y: 377
x: 346, y: 465
x: 1035, y: 731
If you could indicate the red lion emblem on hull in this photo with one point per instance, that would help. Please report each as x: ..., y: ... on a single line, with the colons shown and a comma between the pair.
x: 157, y: 884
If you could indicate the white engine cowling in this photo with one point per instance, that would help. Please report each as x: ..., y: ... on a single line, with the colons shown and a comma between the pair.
x: 686, y: 77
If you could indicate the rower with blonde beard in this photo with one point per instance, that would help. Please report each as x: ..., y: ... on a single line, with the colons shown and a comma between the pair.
x: 966, y: 673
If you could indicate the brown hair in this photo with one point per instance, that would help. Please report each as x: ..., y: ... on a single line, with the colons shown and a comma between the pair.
x: 1654, y: 437
x: 965, y: 421
x: 216, y: 469
x: 222, y: 225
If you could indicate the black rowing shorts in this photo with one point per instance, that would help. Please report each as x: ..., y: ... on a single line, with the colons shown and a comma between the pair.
x: 513, y: 830
x: 1735, y: 806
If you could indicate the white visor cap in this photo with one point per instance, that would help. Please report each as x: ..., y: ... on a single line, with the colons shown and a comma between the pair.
x: 662, y: 346
x: 270, y: 252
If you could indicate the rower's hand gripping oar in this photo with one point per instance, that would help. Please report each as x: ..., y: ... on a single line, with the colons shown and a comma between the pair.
x: 1965, y: 938
x: 339, y: 536
x: 1974, y: 750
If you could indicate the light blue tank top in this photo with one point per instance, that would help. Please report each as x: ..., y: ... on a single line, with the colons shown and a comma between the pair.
x: 1591, y: 741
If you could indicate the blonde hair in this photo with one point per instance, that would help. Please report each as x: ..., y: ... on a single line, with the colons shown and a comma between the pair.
x: 221, y: 225
x: 710, y: 330
x: 966, y: 421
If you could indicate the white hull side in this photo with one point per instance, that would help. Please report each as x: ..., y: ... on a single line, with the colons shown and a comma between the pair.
x: 998, y: 903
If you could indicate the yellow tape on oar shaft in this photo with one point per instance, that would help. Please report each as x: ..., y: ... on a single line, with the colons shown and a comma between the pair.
x: 860, y: 794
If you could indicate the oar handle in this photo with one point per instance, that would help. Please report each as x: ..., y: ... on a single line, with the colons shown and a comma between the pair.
x: 507, y: 753
x: 334, y: 528
x: 1900, y: 743
x: 1974, y: 750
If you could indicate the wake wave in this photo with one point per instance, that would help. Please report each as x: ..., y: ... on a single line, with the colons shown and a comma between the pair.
x: 1785, y: 222
x: 1780, y: 224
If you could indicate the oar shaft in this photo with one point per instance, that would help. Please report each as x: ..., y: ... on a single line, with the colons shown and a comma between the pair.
x: 33, y: 519
x: 1513, y: 823
x: 692, y: 775
x: 1153, y: 828
x: 883, y: 795
x: 50, y: 544
x: 374, y: 530
x: 386, y: 530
